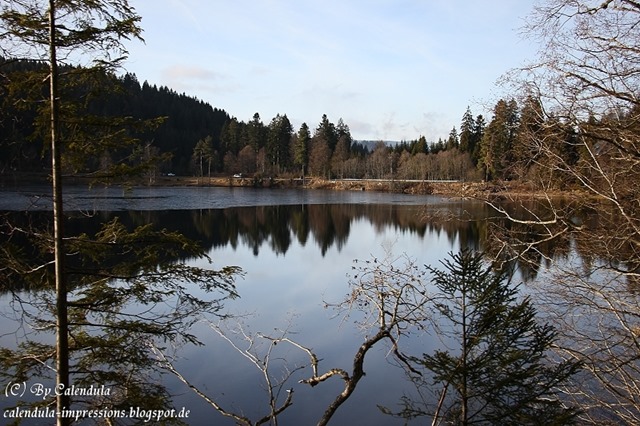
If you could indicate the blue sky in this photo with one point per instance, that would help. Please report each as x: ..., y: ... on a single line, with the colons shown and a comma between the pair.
x: 392, y: 69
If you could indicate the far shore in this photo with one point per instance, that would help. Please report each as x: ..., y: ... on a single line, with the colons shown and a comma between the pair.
x: 454, y: 189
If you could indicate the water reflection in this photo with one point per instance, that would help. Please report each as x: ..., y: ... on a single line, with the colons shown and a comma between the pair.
x: 275, y: 228
x: 296, y: 256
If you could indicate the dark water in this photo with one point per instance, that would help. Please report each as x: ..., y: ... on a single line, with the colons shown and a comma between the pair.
x: 190, y: 198
x: 297, y: 250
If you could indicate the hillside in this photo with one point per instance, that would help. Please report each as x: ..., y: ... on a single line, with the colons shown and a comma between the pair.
x: 22, y: 147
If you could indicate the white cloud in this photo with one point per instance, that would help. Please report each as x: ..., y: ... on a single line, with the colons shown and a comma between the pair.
x: 358, y: 60
x: 190, y: 72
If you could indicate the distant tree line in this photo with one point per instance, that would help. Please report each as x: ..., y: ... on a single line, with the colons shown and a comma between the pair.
x: 180, y: 120
x: 192, y: 138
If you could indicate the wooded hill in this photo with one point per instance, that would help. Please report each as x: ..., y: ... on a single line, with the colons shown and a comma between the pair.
x: 183, y: 135
x: 22, y: 147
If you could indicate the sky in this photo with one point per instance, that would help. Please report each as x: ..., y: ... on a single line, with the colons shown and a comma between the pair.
x: 391, y: 69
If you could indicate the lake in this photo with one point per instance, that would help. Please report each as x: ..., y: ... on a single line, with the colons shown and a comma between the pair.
x: 297, y: 249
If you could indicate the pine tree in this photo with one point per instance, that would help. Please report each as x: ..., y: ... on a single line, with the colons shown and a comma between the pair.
x: 420, y: 146
x: 301, y: 148
x: 453, y: 141
x: 203, y: 153
x: 256, y: 133
x: 340, y: 156
x: 497, y: 369
x: 231, y: 135
x: 530, y: 131
x: 280, y: 131
x: 343, y: 132
x: 61, y: 28
x: 84, y: 287
x: 498, y: 139
x: 467, y: 142
x: 327, y: 130
x: 477, y: 135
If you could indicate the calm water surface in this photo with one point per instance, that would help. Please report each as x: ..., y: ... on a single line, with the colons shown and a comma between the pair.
x: 190, y: 198
x: 297, y: 250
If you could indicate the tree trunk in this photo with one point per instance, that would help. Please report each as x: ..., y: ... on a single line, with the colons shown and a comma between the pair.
x: 464, y: 396
x: 357, y: 374
x: 62, y: 343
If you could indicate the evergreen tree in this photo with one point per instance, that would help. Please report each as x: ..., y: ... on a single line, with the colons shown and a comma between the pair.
x: 301, y: 148
x: 129, y: 289
x: 340, y: 156
x: 343, y: 132
x: 437, y: 147
x: 476, y: 138
x: 118, y: 107
x: 256, y: 133
x: 327, y: 130
x: 231, y: 136
x: 453, y: 141
x: 95, y: 292
x: 467, y: 142
x: 420, y: 146
x: 530, y: 130
x: 49, y: 31
x: 498, y: 139
x: 497, y: 370
x: 280, y: 131
x: 203, y: 153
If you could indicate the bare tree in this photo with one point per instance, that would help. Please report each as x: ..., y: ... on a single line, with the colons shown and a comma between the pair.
x: 596, y: 313
x: 586, y: 80
x: 319, y: 157
x: 259, y: 350
x: 388, y: 300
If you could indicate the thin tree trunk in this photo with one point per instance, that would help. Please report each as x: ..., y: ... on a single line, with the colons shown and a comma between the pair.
x: 357, y: 374
x: 465, y: 353
x: 443, y: 395
x: 62, y: 343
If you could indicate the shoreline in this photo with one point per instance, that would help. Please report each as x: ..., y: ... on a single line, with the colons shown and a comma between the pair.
x: 452, y: 189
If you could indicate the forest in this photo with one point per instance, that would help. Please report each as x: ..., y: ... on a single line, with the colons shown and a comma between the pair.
x: 190, y: 137
x: 571, y: 122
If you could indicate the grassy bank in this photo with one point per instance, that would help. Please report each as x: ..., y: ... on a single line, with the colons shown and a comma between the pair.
x: 448, y: 189
x: 483, y: 190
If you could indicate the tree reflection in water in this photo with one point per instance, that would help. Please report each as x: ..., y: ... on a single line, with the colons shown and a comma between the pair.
x: 296, y: 257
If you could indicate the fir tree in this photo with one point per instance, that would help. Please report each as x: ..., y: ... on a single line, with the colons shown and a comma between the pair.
x: 476, y: 138
x: 280, y: 131
x: 301, y: 148
x: 498, y: 139
x: 466, y: 132
x: 326, y: 130
x: 497, y: 369
x: 256, y: 133
x: 97, y: 293
x: 453, y: 140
